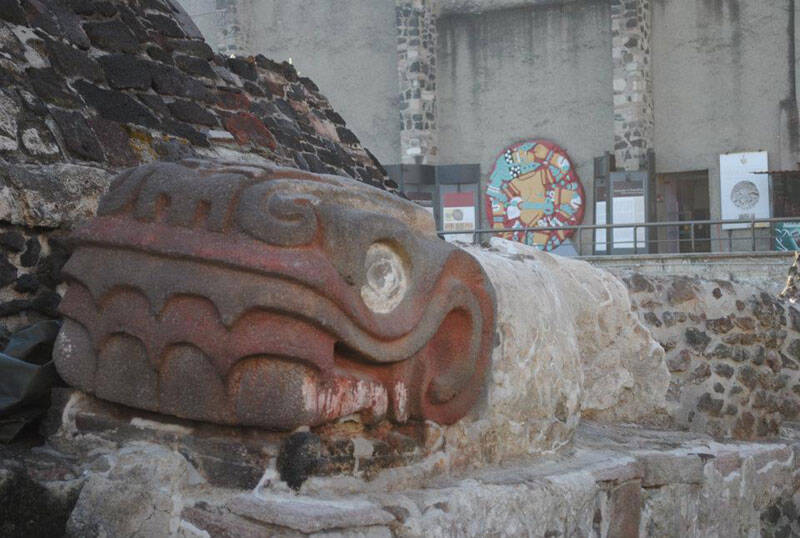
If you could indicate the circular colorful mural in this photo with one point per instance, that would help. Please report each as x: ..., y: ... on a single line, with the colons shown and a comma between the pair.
x: 533, y: 184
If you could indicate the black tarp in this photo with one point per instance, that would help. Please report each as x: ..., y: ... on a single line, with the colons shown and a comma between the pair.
x: 27, y: 373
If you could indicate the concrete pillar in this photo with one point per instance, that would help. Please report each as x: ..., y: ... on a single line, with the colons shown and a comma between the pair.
x: 631, y: 25
x: 416, y: 65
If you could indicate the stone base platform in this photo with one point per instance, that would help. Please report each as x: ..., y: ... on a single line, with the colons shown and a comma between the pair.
x: 149, y: 476
x: 234, y: 457
x: 614, y: 482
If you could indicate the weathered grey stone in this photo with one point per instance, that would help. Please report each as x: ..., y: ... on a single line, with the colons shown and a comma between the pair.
x: 639, y: 283
x: 625, y: 509
x: 13, y: 241
x: 73, y: 62
x: 680, y: 362
x: 700, y: 374
x: 78, y: 137
x: 9, y: 111
x: 115, y: 105
x: 50, y: 195
x: 720, y: 325
x: 112, y: 35
x: 139, y: 496
x: 697, y: 339
x: 708, y: 404
x: 126, y: 71
x: 680, y: 291
x: 747, y: 376
x: 652, y: 319
x: 723, y: 370
x: 39, y: 142
x: 535, y: 387
x: 310, y: 515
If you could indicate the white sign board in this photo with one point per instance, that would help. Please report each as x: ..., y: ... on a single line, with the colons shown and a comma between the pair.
x: 744, y: 195
x: 628, y: 209
x: 456, y: 219
x: 600, y: 233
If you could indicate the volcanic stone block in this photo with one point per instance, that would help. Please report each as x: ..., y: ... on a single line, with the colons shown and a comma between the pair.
x: 115, y: 141
x: 77, y: 135
x: 243, y: 68
x: 94, y: 7
x: 131, y: 18
x: 165, y: 25
x: 747, y: 376
x: 159, y: 54
x: 697, y: 339
x: 168, y: 80
x: 13, y: 241
x: 73, y: 62
x: 31, y: 255
x: 710, y: 405
x: 346, y: 135
x: 681, y: 291
x: 191, y: 112
x: 11, y: 11
x: 723, y: 370
x: 234, y: 99
x: 183, y: 130
x: 247, y: 128
x: 200, y: 49
x: 720, y: 325
x: 27, y: 284
x: 117, y: 106
x: 113, y: 36
x: 8, y: 272
x: 126, y: 71
x: 50, y: 86
x: 272, y: 297
x: 195, y: 66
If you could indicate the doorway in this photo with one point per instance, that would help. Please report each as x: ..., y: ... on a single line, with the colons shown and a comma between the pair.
x: 683, y: 196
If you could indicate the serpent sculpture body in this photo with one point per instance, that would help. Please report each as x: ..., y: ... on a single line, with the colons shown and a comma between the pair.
x: 251, y: 295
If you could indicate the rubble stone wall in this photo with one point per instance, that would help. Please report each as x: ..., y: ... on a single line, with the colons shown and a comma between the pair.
x: 733, y: 351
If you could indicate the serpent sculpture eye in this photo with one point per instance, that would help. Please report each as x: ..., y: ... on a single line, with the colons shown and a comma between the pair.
x: 272, y: 297
x: 386, y: 278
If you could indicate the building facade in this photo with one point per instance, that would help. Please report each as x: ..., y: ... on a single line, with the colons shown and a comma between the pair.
x: 645, y: 96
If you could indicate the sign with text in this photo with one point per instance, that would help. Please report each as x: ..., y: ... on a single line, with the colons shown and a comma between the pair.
x: 744, y: 195
x: 458, y: 214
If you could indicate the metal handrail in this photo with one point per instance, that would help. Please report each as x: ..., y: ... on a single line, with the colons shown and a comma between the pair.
x: 753, y: 225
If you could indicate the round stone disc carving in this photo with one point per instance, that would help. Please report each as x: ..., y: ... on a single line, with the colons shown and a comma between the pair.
x: 533, y: 183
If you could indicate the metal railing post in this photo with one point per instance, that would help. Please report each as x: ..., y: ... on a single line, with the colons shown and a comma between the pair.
x: 753, y: 231
x: 691, y: 234
x: 578, y: 233
x: 635, y: 241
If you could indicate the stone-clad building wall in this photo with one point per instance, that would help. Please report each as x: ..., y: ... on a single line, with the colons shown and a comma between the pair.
x: 631, y: 27
x: 732, y: 349
x: 90, y: 87
x: 416, y: 67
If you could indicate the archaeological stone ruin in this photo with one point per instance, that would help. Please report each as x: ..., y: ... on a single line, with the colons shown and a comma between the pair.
x: 231, y: 323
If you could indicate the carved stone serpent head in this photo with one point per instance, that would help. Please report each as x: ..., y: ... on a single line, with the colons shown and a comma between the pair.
x: 272, y: 297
